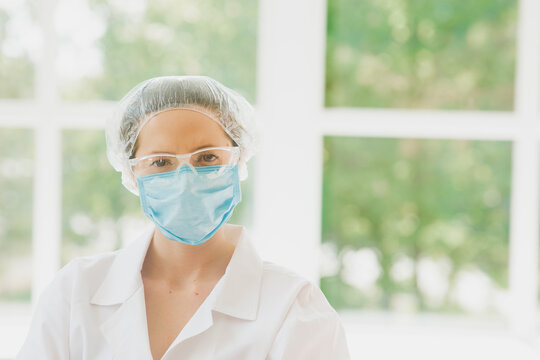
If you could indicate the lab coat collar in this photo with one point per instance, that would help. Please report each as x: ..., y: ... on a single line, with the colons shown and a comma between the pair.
x: 124, y: 275
x: 238, y: 296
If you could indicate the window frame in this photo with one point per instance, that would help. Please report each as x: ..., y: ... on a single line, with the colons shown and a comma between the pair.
x: 298, y: 78
x: 291, y: 49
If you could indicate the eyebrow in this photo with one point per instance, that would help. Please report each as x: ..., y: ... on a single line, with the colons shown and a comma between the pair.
x: 204, y: 146
x: 166, y: 152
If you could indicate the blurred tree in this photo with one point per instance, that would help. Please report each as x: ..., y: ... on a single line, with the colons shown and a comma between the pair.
x: 16, y: 170
x: 159, y: 38
x: 93, y: 198
x: 446, y: 54
x: 16, y: 66
x: 403, y: 200
x: 415, y: 199
x: 416, y: 204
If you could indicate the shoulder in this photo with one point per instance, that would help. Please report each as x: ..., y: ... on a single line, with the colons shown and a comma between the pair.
x: 273, y: 271
x: 309, y: 327
x: 79, y: 277
x: 302, y: 294
x: 49, y: 329
x: 281, y: 278
x: 84, y: 265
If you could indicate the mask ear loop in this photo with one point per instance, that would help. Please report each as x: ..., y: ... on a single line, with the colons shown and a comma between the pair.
x: 237, y: 154
x: 234, y: 160
x: 133, y: 176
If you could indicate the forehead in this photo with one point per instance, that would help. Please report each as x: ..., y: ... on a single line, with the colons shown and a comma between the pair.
x: 182, y: 117
x: 180, y: 131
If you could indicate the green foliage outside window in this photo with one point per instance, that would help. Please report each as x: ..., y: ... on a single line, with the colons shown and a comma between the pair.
x: 401, y: 203
x: 409, y: 225
x: 16, y: 66
x: 444, y: 54
x: 184, y: 37
x: 94, y: 202
x: 16, y: 184
x: 411, y: 201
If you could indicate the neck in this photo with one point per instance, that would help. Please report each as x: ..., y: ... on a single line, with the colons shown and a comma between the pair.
x: 177, y: 263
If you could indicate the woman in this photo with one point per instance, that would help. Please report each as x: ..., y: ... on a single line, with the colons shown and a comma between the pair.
x: 193, y: 287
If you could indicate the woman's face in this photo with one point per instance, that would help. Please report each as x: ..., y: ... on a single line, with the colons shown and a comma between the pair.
x: 179, y: 131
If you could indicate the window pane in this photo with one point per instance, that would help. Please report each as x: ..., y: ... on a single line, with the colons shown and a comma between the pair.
x: 126, y: 42
x: 16, y: 176
x: 416, y: 225
x: 99, y: 214
x: 19, y: 40
x: 445, y: 54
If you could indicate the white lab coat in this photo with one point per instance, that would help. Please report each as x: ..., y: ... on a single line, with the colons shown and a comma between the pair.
x: 94, y: 309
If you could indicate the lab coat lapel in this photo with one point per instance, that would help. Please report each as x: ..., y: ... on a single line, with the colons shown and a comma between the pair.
x: 126, y: 329
x: 200, y: 322
x: 236, y: 295
x: 239, y: 296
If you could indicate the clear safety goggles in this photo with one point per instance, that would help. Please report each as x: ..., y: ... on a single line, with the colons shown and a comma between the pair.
x: 200, y: 159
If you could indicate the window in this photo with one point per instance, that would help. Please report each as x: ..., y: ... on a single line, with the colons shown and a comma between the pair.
x: 98, y: 214
x: 126, y: 42
x: 461, y: 82
x: 421, y: 54
x: 16, y: 175
x: 437, y: 101
x: 416, y: 225
x: 18, y: 48
x: 412, y: 224
x: 62, y: 65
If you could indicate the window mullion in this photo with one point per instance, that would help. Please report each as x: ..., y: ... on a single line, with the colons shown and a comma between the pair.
x: 429, y: 124
x: 47, y: 160
x: 290, y: 83
x: 524, y: 220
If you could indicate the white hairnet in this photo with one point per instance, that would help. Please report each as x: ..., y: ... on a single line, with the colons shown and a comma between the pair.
x: 200, y: 93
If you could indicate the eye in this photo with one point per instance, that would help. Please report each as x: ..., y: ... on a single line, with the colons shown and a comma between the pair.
x: 208, y: 157
x: 160, y: 162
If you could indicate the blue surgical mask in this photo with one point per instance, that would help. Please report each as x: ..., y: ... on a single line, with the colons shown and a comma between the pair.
x: 189, y: 207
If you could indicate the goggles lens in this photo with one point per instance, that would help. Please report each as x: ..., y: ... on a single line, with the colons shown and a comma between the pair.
x: 161, y: 163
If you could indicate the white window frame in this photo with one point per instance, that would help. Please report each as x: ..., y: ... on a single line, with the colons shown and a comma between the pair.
x: 293, y: 120
x: 290, y: 101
